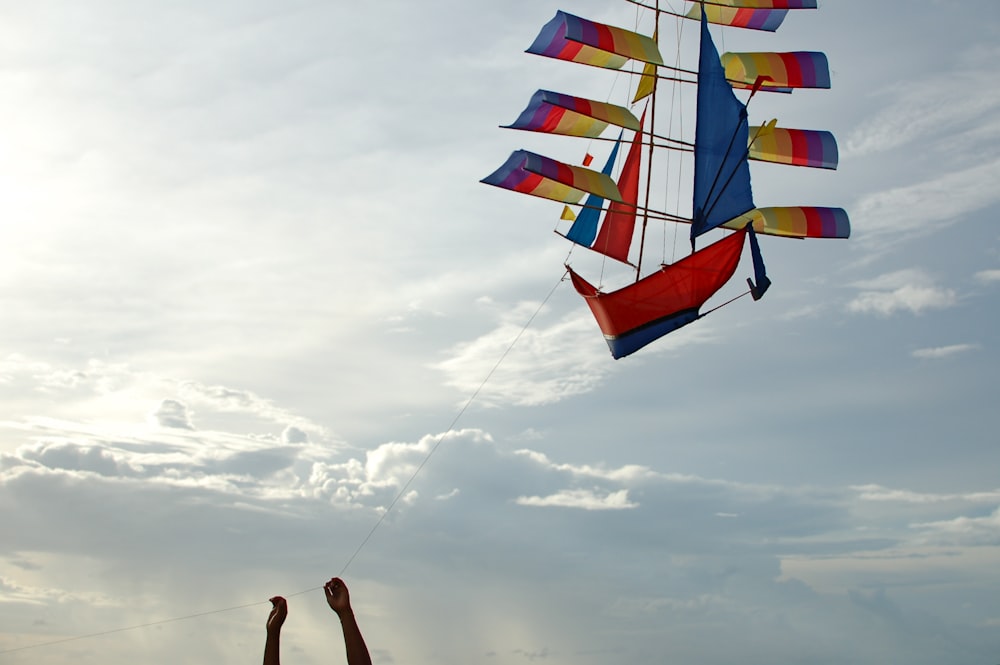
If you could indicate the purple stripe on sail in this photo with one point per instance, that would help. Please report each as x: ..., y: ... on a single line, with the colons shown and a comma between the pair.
x: 766, y: 19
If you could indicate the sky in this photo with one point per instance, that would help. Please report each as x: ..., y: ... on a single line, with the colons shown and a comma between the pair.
x: 261, y: 325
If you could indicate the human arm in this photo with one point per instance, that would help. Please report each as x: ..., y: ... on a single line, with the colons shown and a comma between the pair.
x: 339, y: 601
x: 279, y: 610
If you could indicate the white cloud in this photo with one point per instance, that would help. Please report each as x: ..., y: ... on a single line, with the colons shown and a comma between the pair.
x: 904, y: 290
x: 894, y: 280
x: 449, y: 495
x: 988, y: 276
x: 229, y: 400
x: 629, y: 473
x: 909, y: 298
x: 903, y: 214
x: 971, y: 531
x: 584, y: 499
x: 529, y: 434
x: 94, y: 376
x: 944, y: 351
x: 13, y: 593
x: 119, y: 393
x: 939, y: 106
x: 547, y: 362
x: 810, y: 311
x: 879, y: 493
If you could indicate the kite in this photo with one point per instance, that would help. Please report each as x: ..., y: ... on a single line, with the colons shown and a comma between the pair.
x: 615, y: 212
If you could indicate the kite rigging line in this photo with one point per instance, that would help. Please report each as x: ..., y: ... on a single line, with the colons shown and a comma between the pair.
x: 378, y: 523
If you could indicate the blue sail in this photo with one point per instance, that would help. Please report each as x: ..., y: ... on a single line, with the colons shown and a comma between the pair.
x: 721, y: 171
x: 584, y: 229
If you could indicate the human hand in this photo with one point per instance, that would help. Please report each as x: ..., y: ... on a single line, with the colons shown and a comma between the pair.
x: 279, y: 610
x: 337, y: 596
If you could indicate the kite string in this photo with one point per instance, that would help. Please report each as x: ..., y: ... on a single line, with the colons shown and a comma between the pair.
x: 451, y: 427
x: 368, y: 537
x: 135, y: 627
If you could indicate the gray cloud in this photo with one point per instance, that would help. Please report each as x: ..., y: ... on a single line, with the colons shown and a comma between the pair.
x: 172, y: 413
x: 198, y: 510
x: 294, y: 435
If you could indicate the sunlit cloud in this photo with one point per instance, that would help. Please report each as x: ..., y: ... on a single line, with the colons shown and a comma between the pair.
x: 550, y: 362
x: 229, y: 400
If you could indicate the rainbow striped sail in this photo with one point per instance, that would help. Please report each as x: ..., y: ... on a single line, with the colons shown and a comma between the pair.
x: 767, y: 4
x: 799, y: 69
x: 796, y: 147
x: 569, y: 37
x: 531, y: 173
x: 796, y: 222
x: 754, y: 19
x: 556, y: 113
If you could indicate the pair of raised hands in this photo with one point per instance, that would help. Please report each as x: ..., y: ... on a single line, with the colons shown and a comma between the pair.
x: 337, y: 597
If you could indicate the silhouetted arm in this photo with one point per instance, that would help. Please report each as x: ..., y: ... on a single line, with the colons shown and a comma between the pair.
x: 339, y: 601
x: 279, y: 610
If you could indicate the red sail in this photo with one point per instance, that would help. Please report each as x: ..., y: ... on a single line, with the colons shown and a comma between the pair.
x: 615, y: 237
x: 642, y: 312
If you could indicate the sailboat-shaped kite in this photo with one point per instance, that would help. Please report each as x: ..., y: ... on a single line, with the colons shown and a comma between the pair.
x: 724, y: 143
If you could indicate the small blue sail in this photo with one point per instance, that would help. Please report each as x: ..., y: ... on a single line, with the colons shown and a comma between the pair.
x: 584, y: 229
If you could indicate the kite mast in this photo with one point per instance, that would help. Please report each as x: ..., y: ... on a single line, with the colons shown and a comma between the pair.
x: 649, y: 161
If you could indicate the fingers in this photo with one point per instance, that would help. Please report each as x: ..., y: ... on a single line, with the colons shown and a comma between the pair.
x: 279, y: 611
x: 336, y: 595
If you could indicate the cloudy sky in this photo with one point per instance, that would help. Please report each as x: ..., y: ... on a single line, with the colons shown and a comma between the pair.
x: 249, y: 285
